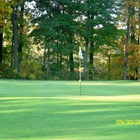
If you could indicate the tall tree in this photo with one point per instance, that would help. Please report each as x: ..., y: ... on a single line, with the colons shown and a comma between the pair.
x: 99, y: 18
x: 1, y: 43
x: 130, y: 10
x: 4, y: 16
x: 59, y: 24
x: 15, y: 38
x: 21, y: 29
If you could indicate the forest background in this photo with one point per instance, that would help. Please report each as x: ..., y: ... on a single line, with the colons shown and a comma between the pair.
x: 40, y: 39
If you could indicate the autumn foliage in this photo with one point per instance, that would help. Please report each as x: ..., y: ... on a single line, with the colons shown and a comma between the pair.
x: 5, y: 11
x: 47, y: 38
x: 133, y: 61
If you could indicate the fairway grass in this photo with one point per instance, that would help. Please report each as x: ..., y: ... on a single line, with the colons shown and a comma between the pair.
x: 55, y: 110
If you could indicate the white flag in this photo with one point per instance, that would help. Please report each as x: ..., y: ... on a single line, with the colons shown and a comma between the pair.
x: 80, y: 53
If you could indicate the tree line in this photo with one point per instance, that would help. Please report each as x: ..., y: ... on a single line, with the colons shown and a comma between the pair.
x: 40, y: 39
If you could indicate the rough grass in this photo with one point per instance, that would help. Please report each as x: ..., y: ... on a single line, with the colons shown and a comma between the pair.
x: 54, y: 110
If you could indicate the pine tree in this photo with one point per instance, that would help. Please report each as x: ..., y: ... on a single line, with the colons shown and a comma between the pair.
x: 100, y: 25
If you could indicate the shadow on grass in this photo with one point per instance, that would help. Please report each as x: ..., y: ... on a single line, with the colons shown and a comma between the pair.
x: 53, y: 119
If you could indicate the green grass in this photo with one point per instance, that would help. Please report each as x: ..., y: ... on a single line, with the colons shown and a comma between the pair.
x: 54, y: 110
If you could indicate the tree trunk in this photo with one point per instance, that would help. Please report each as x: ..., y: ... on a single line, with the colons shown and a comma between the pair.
x: 91, y: 61
x: 48, y: 58
x: 91, y: 54
x: 127, y: 43
x: 44, y: 60
x: 86, y: 58
x: 71, y: 62
x: 1, y: 43
x: 109, y: 69
x: 48, y: 62
x: 86, y: 46
x: 15, y: 37
x: 60, y: 62
x: 71, y: 65
x: 21, y: 34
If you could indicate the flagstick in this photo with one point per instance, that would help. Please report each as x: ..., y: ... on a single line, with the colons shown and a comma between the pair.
x: 80, y: 88
x: 80, y: 57
x: 80, y: 74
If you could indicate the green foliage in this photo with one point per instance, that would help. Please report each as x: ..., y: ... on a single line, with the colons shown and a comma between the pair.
x: 5, y: 11
x: 31, y: 70
x: 32, y: 76
x: 0, y: 73
x: 133, y: 61
x: 117, y: 68
x: 8, y: 72
x: 52, y: 32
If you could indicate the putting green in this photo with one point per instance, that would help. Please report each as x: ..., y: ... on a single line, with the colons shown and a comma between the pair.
x: 54, y: 110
